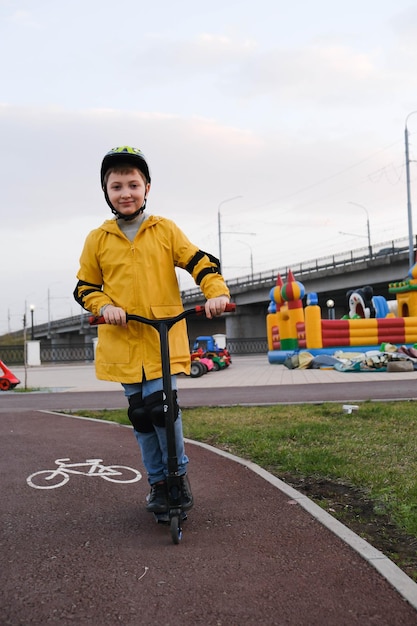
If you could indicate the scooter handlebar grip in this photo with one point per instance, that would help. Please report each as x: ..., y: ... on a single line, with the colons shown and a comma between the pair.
x: 230, y: 308
x: 95, y: 320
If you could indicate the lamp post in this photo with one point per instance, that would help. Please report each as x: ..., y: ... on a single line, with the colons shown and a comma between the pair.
x: 25, y: 348
x: 409, y: 211
x: 251, y: 257
x: 219, y: 225
x: 32, y: 331
x: 330, y: 309
x: 368, y: 229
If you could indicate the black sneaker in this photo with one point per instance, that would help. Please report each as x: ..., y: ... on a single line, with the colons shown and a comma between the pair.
x: 158, y: 498
x: 187, y: 499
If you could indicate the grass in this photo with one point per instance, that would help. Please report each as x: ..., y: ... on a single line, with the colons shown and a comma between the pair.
x: 372, y: 450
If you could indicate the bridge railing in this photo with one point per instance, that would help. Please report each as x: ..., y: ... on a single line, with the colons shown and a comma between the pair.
x: 80, y: 320
x: 392, y: 248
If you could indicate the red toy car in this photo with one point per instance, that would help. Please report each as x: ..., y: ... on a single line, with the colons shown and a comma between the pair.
x: 8, y: 380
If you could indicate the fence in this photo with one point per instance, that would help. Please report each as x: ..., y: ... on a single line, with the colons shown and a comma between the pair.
x: 14, y: 355
x: 247, y: 346
x: 73, y: 353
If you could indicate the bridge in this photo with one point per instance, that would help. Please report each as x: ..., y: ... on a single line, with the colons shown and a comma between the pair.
x: 330, y: 277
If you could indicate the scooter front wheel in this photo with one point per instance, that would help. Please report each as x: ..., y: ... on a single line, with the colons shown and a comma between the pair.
x: 176, y: 531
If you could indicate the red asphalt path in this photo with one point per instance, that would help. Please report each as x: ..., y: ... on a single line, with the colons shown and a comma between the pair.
x: 88, y: 553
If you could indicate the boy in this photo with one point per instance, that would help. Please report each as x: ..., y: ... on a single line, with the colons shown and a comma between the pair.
x: 128, y: 264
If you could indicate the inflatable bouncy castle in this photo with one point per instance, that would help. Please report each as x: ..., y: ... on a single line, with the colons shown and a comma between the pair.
x: 372, y: 320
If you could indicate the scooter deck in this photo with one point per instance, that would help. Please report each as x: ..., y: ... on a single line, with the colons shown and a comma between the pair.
x: 163, y: 518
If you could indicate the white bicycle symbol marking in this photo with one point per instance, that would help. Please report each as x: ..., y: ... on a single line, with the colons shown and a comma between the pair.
x: 50, y: 479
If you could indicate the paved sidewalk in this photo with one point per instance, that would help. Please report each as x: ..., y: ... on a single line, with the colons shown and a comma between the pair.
x: 245, y: 371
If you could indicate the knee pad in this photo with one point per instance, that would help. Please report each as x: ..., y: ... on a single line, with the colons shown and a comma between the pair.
x: 156, y: 407
x: 138, y: 415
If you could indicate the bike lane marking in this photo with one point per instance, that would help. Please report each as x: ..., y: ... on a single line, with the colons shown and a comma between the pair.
x: 94, y: 467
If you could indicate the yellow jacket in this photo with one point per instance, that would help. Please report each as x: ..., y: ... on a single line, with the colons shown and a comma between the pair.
x: 140, y: 277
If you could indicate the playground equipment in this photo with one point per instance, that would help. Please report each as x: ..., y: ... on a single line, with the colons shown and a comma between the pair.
x: 371, y: 321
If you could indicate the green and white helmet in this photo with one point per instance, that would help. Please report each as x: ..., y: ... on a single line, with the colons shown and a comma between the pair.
x: 129, y: 156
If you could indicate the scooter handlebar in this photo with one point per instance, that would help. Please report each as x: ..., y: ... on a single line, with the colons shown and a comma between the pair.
x: 198, y: 310
x: 95, y: 320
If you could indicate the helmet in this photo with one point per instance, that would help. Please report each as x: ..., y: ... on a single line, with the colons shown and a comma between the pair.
x: 128, y: 155
x: 125, y: 154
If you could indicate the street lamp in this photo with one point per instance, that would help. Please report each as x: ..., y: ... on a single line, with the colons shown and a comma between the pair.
x: 409, y: 212
x: 330, y: 309
x: 367, y: 225
x: 32, y: 311
x: 219, y: 225
x: 251, y: 257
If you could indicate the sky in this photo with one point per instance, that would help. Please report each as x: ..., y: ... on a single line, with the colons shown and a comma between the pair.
x: 286, y: 119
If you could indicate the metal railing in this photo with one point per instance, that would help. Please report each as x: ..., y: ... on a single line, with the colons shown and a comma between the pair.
x: 247, y: 346
x: 84, y: 353
x: 390, y: 248
x: 61, y: 354
x: 14, y: 355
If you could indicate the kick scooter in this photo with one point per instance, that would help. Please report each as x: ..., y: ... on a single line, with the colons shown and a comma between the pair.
x: 175, y: 514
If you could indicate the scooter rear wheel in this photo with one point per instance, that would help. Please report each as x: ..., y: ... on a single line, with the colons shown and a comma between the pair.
x: 176, y: 531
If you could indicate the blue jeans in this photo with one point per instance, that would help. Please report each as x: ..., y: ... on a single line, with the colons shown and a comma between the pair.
x: 153, y: 445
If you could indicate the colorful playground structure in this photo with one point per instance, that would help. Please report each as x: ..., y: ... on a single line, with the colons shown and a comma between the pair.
x: 371, y: 321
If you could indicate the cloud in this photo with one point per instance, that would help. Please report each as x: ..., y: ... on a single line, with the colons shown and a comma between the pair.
x: 22, y: 17
x: 201, y: 55
x: 51, y: 157
x: 325, y: 75
x: 404, y: 25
